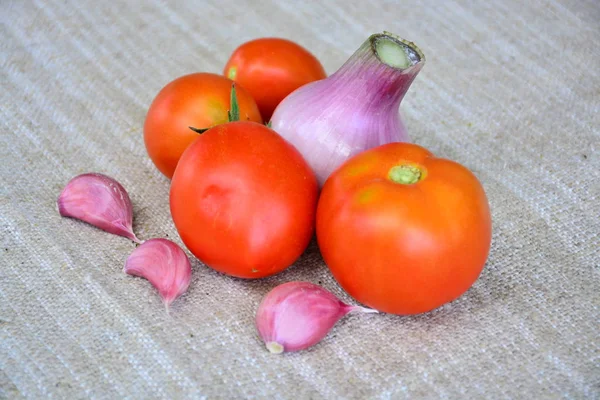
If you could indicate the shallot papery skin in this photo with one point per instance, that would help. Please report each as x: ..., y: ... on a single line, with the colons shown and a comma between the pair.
x: 296, y: 315
x: 98, y: 200
x: 354, y: 109
x: 164, y: 264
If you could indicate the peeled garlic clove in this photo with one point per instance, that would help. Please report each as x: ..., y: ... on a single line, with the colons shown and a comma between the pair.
x: 98, y: 200
x: 297, y: 315
x: 164, y: 265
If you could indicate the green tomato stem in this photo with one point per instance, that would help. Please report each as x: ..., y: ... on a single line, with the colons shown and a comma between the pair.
x: 233, y: 114
x: 405, y: 174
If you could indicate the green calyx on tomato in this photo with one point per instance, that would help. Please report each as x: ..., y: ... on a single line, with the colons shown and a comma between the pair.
x: 233, y: 114
x: 234, y: 109
x: 232, y: 72
x: 405, y: 174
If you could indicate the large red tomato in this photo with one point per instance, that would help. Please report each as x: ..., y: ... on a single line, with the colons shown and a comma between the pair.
x: 244, y: 200
x: 272, y: 68
x: 199, y: 100
x: 402, y: 230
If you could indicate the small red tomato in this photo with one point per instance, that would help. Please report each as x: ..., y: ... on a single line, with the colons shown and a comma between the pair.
x: 272, y: 68
x: 244, y: 200
x: 199, y: 100
x: 403, y: 231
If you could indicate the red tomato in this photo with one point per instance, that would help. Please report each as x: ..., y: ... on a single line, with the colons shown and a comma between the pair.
x: 272, y: 68
x: 244, y: 200
x: 403, y: 231
x: 199, y: 100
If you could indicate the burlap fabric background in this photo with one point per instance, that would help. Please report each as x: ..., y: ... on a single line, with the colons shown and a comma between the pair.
x: 510, y: 89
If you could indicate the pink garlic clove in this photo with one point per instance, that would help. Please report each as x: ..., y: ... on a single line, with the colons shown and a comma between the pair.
x: 297, y: 315
x: 98, y: 200
x: 164, y: 265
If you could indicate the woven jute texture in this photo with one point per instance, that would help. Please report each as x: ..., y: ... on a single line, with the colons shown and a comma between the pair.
x: 511, y: 89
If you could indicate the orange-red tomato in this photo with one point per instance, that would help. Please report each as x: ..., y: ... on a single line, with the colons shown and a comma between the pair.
x: 403, y: 231
x: 199, y: 100
x: 272, y: 68
x: 244, y: 200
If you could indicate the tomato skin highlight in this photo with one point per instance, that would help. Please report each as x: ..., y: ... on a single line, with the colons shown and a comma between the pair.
x: 270, y: 69
x: 200, y: 100
x: 244, y: 200
x: 403, y: 248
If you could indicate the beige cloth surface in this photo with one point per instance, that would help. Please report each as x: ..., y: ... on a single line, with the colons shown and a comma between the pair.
x: 510, y: 89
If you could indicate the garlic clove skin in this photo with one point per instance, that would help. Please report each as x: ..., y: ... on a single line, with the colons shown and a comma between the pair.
x: 298, y: 315
x: 100, y: 201
x: 164, y: 264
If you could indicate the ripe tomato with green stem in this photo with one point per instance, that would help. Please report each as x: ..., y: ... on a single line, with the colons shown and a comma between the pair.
x: 244, y: 200
x: 200, y: 100
x: 403, y: 231
x: 272, y: 68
